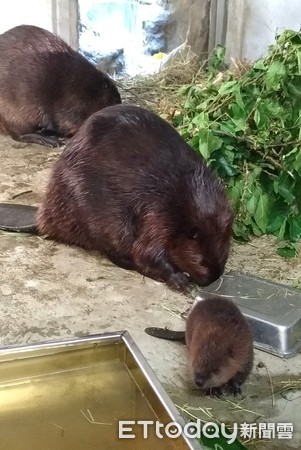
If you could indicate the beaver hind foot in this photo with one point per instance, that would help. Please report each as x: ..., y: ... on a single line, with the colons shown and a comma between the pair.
x: 51, y: 141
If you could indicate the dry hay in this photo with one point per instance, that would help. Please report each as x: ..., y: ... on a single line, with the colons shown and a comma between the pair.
x: 159, y: 92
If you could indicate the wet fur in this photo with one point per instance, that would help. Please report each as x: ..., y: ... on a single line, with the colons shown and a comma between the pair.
x: 220, y: 346
x: 130, y: 187
x: 47, y: 90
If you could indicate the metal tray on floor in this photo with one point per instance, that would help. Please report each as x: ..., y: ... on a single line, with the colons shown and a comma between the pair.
x: 72, y: 394
x: 273, y: 310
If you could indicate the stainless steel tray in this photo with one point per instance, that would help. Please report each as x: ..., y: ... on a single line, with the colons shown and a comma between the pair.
x: 70, y: 395
x: 273, y: 310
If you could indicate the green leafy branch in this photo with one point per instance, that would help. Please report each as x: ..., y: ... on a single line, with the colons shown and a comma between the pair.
x: 248, y: 128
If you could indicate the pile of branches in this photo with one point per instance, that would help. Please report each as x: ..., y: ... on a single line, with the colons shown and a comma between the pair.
x: 248, y: 128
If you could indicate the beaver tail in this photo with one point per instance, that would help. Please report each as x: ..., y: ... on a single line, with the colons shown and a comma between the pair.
x: 18, y: 218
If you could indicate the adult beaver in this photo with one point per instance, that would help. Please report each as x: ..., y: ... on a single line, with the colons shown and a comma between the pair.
x: 130, y: 187
x: 47, y: 90
x: 220, y: 345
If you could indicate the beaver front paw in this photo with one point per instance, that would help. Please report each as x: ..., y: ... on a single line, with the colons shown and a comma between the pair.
x: 178, y: 281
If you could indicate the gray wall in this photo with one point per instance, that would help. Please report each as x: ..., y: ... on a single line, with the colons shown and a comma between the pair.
x: 58, y: 16
x: 245, y: 27
x: 29, y: 12
x: 253, y: 24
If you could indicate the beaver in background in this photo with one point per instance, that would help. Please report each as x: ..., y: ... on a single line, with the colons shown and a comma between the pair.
x: 128, y: 186
x: 47, y: 90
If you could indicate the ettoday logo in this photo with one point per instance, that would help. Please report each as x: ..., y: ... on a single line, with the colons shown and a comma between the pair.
x: 173, y: 430
x: 195, y: 430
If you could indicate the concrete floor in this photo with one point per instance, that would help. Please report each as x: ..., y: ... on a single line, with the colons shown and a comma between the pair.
x: 49, y: 290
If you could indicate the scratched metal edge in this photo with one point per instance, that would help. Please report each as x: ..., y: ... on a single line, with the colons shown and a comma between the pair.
x: 12, y: 352
x: 286, y: 343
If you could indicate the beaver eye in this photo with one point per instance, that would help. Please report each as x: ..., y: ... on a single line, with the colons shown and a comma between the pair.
x: 193, y: 233
x: 106, y: 84
x: 215, y: 372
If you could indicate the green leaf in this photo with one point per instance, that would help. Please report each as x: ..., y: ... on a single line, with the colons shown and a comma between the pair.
x: 238, y: 98
x: 240, y: 231
x: 228, y: 127
x: 203, y: 106
x: 226, y: 167
x: 237, y: 112
x: 285, y: 188
x: 227, y: 88
x: 273, y: 108
x: 216, y: 58
x: 201, y: 120
x: 257, y: 117
x: 252, y: 204
x: 277, y: 216
x: 235, y: 191
x: 256, y: 172
x: 260, y: 65
x: 208, y: 143
x: 285, y: 36
x: 195, y: 91
x: 240, y: 124
x: 275, y: 74
x: 194, y: 142
x: 299, y: 60
x: 295, y: 227
x: 256, y: 230
x: 287, y: 251
x: 282, y: 230
x: 184, y: 90
x: 297, y: 162
x: 189, y: 103
x: 261, y: 214
x: 294, y: 88
x: 177, y: 120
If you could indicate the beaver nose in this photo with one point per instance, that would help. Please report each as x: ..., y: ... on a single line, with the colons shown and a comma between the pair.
x: 214, y: 273
x: 199, y: 380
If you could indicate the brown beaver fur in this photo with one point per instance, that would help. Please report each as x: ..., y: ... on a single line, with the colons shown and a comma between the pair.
x: 130, y: 187
x: 47, y: 90
x: 220, y: 345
